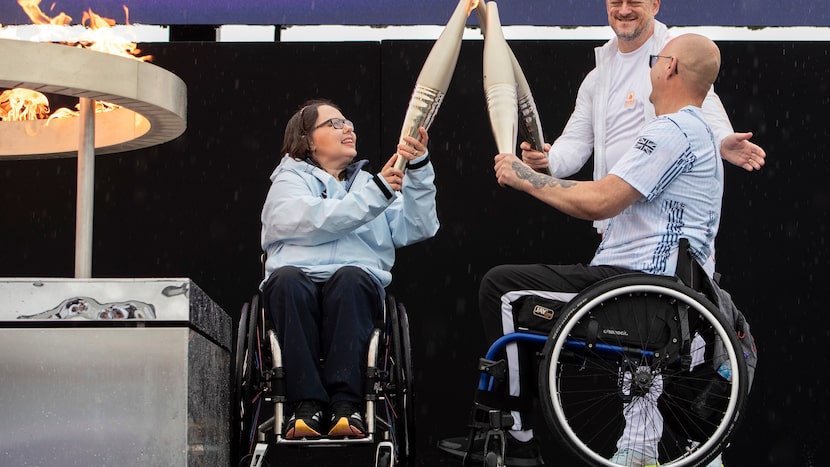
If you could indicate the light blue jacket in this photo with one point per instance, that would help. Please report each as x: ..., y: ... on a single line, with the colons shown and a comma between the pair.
x: 319, y: 224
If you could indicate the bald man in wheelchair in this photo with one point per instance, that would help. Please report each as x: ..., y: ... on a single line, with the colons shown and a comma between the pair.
x: 667, y: 186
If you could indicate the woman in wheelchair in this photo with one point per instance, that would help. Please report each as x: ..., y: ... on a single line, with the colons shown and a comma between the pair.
x: 667, y: 186
x: 329, y: 231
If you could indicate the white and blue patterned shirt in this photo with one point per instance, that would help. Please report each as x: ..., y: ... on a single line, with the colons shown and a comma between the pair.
x: 675, y: 164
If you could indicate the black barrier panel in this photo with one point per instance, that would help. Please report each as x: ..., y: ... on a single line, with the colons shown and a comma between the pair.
x: 191, y: 207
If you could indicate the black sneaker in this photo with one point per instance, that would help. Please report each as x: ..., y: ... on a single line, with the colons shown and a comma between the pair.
x: 346, y: 421
x: 517, y: 453
x: 305, y: 421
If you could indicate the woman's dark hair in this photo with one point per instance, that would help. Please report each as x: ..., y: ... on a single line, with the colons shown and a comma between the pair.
x: 296, y: 142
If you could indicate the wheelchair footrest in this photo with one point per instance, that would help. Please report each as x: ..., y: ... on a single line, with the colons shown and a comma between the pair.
x: 488, y: 418
x: 326, y: 442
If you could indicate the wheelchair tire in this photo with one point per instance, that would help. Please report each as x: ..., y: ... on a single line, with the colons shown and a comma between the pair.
x: 248, y: 375
x: 237, y: 407
x: 408, y: 378
x: 404, y: 407
x: 251, y: 374
x: 601, y: 356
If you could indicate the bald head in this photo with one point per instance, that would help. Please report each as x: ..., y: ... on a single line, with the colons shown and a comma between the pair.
x: 698, y: 61
x: 683, y: 73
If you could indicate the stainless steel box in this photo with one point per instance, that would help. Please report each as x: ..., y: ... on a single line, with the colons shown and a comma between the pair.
x: 102, y: 372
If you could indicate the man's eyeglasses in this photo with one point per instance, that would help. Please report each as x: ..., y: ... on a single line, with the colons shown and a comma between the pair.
x: 336, y: 123
x: 652, y: 59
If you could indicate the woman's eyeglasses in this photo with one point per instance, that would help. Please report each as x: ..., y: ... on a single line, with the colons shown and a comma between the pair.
x: 336, y: 123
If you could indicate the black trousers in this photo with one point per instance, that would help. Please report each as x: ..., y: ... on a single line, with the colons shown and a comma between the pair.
x: 324, y: 330
x: 503, y: 291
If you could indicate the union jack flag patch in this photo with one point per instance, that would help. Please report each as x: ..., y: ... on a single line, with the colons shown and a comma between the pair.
x: 646, y: 145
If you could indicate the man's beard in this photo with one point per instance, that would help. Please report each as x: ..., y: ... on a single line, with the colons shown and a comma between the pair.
x: 630, y: 36
x: 633, y: 35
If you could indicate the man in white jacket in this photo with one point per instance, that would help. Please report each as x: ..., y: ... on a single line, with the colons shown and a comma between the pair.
x: 612, y: 103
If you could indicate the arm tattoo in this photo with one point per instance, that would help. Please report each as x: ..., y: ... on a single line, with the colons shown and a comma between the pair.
x: 539, y: 180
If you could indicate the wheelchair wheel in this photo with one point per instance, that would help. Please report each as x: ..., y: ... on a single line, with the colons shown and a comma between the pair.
x: 401, y: 407
x: 407, y: 395
x: 247, y: 376
x: 645, y: 348
x: 238, y: 370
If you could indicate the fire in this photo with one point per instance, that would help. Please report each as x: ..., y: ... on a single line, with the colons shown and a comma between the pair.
x: 103, y: 40
x: 25, y: 104
x: 100, y: 35
x: 32, y: 9
x: 473, y: 6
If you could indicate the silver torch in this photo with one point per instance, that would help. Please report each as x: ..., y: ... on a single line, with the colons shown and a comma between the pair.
x: 435, y: 76
x: 530, y: 124
x: 499, y: 84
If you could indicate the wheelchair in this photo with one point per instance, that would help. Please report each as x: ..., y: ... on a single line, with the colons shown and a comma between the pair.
x: 619, y: 341
x: 259, y: 390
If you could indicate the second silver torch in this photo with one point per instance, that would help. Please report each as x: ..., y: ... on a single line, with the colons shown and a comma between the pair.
x: 500, y: 84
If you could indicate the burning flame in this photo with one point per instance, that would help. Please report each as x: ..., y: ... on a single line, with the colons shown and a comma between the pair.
x: 25, y: 104
x: 38, y: 17
x: 473, y: 6
x: 101, y: 37
x: 106, y: 42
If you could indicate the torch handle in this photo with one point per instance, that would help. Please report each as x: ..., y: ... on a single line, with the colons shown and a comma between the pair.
x: 501, y: 105
x: 529, y: 125
x: 423, y: 105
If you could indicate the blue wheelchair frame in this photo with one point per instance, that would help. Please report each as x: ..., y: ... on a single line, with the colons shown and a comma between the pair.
x: 669, y: 362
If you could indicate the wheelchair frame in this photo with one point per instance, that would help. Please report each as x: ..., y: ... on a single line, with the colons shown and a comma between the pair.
x: 260, y: 380
x: 700, y: 409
